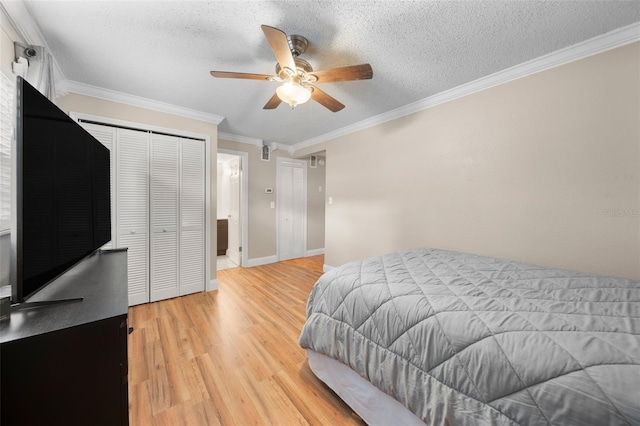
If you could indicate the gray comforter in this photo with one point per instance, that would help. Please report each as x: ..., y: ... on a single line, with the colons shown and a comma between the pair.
x: 464, y: 339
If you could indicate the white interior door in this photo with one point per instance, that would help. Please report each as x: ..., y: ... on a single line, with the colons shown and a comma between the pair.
x: 233, y: 249
x: 192, y: 216
x: 292, y: 208
x: 163, y: 267
x: 129, y: 207
x: 132, y: 222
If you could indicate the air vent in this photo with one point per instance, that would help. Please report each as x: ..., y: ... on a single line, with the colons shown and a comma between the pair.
x: 266, y: 153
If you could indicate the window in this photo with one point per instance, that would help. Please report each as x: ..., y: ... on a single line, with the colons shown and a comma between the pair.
x: 7, y: 89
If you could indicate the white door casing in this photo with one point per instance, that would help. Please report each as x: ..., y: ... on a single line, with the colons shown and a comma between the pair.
x: 233, y: 251
x: 244, y: 203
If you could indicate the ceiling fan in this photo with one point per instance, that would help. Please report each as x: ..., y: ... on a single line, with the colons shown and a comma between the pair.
x: 297, y: 75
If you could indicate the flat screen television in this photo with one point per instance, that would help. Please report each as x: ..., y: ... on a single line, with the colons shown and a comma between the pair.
x: 62, y: 193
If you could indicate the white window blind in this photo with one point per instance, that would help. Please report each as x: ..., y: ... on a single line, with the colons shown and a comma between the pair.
x: 7, y: 89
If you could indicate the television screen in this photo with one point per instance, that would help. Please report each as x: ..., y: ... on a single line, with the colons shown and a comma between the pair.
x: 63, y: 192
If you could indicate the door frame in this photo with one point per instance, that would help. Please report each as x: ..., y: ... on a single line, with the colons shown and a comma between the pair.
x: 244, y: 202
x: 282, y: 160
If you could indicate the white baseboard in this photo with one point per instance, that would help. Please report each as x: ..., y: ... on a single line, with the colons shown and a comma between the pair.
x: 213, y: 285
x: 273, y: 259
x: 326, y: 267
x: 261, y: 261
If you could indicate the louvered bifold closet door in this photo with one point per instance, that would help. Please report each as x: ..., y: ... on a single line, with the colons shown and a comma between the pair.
x: 107, y: 136
x: 132, y: 205
x: 164, y: 217
x: 192, y: 215
x: 158, y: 209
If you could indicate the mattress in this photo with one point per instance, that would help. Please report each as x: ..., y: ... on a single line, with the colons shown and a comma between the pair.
x: 367, y: 401
x: 465, y: 339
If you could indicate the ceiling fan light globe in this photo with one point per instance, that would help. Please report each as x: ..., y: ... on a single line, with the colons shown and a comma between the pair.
x: 293, y: 93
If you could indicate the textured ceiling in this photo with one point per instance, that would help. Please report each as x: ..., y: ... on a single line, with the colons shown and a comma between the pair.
x: 164, y: 50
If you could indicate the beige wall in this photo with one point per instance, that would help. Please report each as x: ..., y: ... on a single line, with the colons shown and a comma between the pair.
x: 262, y: 236
x: 262, y: 219
x: 316, y: 179
x: 100, y: 107
x: 544, y: 169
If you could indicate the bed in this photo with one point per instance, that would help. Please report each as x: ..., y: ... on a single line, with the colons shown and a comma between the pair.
x: 449, y: 338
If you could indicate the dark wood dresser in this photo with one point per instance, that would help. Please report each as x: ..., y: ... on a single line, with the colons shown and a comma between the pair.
x: 66, y: 364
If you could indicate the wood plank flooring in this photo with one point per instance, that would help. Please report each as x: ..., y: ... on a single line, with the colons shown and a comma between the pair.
x: 231, y: 357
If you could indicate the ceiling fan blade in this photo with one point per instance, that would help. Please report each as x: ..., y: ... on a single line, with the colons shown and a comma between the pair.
x: 248, y: 76
x: 353, y: 72
x: 280, y: 46
x: 325, y: 100
x: 273, y: 102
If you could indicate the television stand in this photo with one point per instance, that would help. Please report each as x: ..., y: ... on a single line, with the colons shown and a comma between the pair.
x: 31, y: 305
x: 65, y: 363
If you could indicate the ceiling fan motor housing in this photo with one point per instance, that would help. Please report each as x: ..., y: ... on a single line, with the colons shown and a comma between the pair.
x: 298, y: 44
x: 301, y: 65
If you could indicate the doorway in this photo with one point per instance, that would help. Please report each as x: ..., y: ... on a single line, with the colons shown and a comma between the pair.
x: 291, y: 195
x: 232, y: 209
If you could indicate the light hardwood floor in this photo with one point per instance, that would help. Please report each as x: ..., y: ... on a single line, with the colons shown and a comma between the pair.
x: 231, y: 357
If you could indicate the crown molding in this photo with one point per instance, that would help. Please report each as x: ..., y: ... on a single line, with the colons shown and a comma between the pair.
x: 23, y: 24
x: 9, y: 26
x: 259, y: 143
x: 276, y: 146
x: 241, y: 139
x: 611, y: 40
x: 69, y: 86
